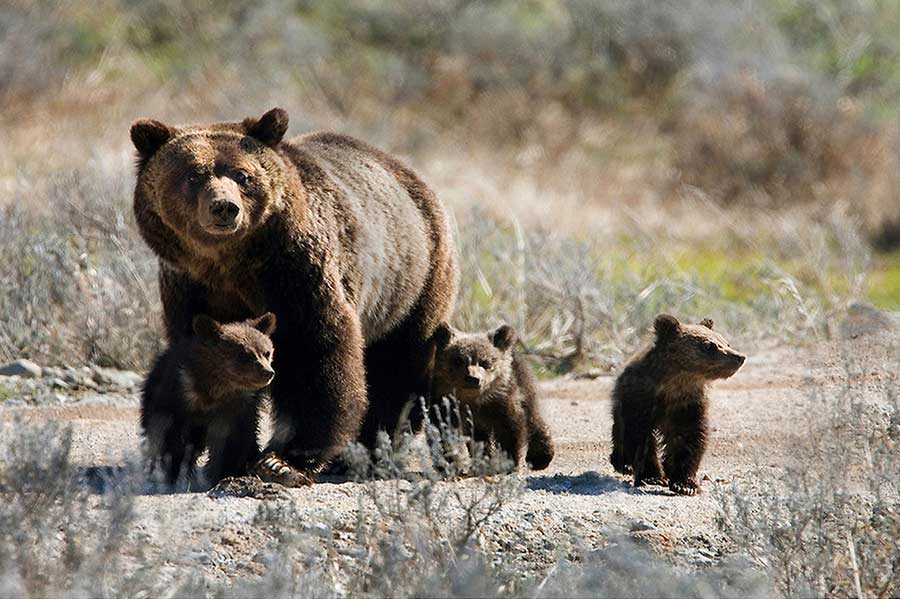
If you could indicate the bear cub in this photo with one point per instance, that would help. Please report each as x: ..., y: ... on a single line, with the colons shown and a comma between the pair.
x: 661, y: 395
x: 495, y: 386
x: 205, y: 392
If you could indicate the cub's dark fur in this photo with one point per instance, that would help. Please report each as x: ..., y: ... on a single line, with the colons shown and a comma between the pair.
x: 662, y: 391
x: 496, y: 387
x: 204, y: 392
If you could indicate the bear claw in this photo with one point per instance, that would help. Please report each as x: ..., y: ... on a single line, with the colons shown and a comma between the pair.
x: 685, y: 487
x: 273, y: 469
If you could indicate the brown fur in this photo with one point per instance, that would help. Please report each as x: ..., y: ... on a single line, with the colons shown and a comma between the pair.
x: 662, y: 391
x: 204, y: 391
x: 496, y: 388
x: 348, y: 247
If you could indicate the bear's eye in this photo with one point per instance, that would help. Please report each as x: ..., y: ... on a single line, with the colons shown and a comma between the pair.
x: 486, y: 364
x: 267, y: 354
x: 240, y: 177
x: 459, y: 361
x: 194, y: 179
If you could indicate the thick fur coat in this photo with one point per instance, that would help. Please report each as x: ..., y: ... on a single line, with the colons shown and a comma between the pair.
x: 661, y: 394
x: 496, y: 389
x: 204, y: 392
x: 347, y: 246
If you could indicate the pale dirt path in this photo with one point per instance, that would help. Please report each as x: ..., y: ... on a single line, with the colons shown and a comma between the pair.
x: 754, y: 416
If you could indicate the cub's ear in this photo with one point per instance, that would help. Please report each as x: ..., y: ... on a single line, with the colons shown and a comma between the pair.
x: 148, y: 136
x: 269, y: 128
x: 707, y: 322
x: 265, y: 324
x: 442, y: 336
x: 204, y: 326
x: 666, y: 326
x: 503, y: 337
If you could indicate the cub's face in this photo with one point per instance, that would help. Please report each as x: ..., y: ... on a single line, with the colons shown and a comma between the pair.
x: 696, y: 348
x: 240, y: 353
x: 470, y: 365
x: 211, y: 184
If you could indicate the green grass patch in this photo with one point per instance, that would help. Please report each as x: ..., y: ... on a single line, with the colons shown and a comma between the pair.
x: 883, y: 283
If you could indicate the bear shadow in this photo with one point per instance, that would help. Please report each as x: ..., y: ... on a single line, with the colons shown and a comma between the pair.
x: 129, y: 480
x: 587, y: 483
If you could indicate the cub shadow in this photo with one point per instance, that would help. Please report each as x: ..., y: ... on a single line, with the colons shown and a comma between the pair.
x: 587, y: 483
x: 130, y: 479
x: 100, y: 480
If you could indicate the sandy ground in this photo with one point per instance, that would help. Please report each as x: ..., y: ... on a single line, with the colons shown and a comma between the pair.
x: 754, y: 417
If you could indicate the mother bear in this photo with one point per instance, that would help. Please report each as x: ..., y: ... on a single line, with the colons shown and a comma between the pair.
x: 346, y: 245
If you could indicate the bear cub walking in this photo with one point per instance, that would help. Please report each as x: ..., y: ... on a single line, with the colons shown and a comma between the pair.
x: 496, y: 387
x: 205, y: 392
x: 662, y: 392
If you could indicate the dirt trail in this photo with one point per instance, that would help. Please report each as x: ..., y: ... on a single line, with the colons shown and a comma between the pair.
x: 754, y: 416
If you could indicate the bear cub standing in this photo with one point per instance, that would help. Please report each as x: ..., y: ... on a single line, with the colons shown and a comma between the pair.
x: 496, y: 387
x: 662, y: 391
x: 203, y: 388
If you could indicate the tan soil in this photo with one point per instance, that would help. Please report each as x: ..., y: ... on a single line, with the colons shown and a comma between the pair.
x: 754, y: 417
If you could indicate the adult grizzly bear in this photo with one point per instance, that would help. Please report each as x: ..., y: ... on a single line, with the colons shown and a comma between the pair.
x: 345, y: 245
x: 662, y: 391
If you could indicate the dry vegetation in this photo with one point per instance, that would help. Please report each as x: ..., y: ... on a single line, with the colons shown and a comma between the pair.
x: 604, y: 161
x: 827, y: 527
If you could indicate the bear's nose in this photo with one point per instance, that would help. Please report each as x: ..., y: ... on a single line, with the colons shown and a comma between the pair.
x: 224, y: 211
x: 738, y: 358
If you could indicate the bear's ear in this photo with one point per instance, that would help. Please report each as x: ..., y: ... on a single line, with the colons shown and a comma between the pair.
x: 503, y: 337
x: 442, y: 336
x: 666, y: 326
x: 707, y: 322
x: 265, y: 324
x: 148, y: 136
x: 204, y: 326
x: 269, y: 128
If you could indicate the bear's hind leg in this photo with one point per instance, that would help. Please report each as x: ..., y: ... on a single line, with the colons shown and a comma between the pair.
x: 233, y: 443
x: 640, y: 442
x: 619, y: 458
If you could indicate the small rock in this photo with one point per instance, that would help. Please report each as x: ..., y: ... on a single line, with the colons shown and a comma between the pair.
x: 124, y: 379
x: 58, y: 383
x: 640, y: 526
x: 199, y: 556
x: 23, y: 368
x: 323, y: 531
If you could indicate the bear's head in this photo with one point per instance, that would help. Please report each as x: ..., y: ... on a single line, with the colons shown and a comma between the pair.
x: 470, y: 366
x: 695, y: 349
x: 204, y: 186
x: 238, y: 355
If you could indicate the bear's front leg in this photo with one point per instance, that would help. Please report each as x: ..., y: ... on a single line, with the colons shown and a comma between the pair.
x: 685, y: 443
x: 318, y: 395
x: 510, y: 431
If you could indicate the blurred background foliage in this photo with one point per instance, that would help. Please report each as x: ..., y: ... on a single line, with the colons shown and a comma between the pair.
x: 736, y: 159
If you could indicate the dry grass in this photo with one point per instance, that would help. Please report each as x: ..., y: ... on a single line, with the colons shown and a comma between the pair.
x: 827, y: 528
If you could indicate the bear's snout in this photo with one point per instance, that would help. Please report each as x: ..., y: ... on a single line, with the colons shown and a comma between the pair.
x: 221, y: 216
x: 220, y: 210
x: 224, y: 211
